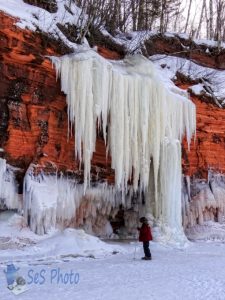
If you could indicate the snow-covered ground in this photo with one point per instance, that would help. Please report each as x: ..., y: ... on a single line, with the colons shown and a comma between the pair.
x: 18, y: 242
x: 68, y: 12
x: 108, y: 270
x: 196, y: 272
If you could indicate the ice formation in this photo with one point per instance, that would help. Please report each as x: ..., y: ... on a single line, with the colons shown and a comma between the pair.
x: 142, y: 123
x: 169, y: 208
x: 51, y: 200
x: 8, y: 187
x: 204, y: 208
x: 141, y: 110
x: 206, y: 203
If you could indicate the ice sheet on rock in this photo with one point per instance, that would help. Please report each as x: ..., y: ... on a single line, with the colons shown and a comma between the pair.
x: 206, y: 204
x: 208, y: 231
x: 50, y: 201
x: 8, y: 187
x: 170, y: 183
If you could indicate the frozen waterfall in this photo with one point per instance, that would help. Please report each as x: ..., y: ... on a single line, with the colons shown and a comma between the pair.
x: 141, y: 109
x: 142, y: 121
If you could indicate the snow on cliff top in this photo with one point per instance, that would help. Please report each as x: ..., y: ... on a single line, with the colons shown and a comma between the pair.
x: 208, y: 81
x: 134, y: 41
x: 34, y: 17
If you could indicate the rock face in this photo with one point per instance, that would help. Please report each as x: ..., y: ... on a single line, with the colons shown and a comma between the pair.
x: 205, y: 55
x: 33, y: 116
x: 208, y: 149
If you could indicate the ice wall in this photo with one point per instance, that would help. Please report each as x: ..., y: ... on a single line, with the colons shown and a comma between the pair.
x: 141, y: 109
x: 8, y: 188
x: 142, y: 121
x: 51, y: 201
x: 205, y: 202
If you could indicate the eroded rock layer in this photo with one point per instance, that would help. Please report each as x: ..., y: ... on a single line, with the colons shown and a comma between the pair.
x: 33, y: 110
x: 208, y: 150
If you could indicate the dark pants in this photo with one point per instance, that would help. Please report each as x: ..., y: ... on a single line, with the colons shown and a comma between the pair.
x: 146, y: 249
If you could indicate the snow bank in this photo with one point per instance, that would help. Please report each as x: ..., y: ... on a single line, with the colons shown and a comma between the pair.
x: 72, y: 242
x: 18, y: 242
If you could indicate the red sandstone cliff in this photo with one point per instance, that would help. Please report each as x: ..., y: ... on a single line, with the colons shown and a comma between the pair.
x: 33, y: 114
x: 208, y: 149
x: 33, y: 118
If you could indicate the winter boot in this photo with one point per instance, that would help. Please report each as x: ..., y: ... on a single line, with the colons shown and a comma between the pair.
x: 146, y: 258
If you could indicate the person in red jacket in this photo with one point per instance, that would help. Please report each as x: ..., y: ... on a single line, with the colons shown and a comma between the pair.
x: 145, y: 236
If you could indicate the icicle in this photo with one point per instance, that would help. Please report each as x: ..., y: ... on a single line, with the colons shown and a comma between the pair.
x: 50, y: 201
x: 145, y: 124
x: 170, y: 184
x: 142, y: 112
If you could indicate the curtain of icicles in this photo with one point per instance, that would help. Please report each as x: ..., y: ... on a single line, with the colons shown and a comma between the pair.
x: 52, y: 200
x: 142, y: 120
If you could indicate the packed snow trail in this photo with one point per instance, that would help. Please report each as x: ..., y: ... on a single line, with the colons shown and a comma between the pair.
x: 194, y: 273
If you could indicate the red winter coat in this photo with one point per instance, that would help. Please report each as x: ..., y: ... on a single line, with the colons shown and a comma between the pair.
x: 145, y: 234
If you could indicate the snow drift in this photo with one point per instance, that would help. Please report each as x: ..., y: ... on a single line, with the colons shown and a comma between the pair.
x: 21, y: 244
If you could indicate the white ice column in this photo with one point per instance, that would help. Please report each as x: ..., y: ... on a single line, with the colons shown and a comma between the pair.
x: 8, y: 187
x: 170, y: 184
